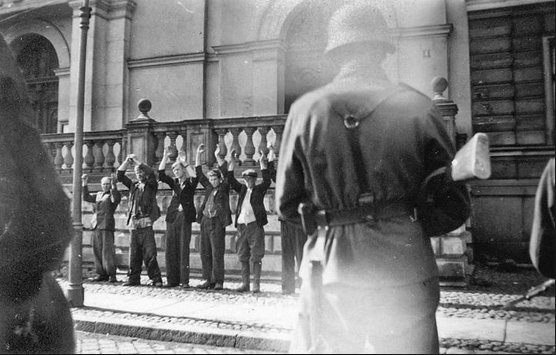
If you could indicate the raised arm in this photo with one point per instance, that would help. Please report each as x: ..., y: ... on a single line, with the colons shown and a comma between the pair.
x: 203, y: 180
x: 263, y: 162
x: 271, y: 164
x: 234, y: 184
x: 86, y: 195
x: 115, y: 195
x: 162, y: 169
x: 122, y: 169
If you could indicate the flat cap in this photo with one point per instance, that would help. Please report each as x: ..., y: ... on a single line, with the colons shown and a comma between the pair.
x: 249, y: 172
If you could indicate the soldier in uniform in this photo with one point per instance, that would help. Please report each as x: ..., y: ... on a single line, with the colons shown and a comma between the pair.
x: 353, y: 159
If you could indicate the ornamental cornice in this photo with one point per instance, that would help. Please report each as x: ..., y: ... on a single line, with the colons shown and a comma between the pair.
x: 256, y: 46
x: 479, y: 5
x: 423, y: 31
x: 8, y: 6
x: 166, y: 60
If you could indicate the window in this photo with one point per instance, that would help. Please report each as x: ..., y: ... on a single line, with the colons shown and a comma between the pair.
x: 37, y: 59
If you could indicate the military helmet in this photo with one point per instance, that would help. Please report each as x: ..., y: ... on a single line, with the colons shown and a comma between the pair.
x: 358, y: 22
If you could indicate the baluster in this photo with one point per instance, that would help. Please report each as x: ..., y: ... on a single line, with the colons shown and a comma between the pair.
x: 183, y: 134
x: 173, y: 135
x: 89, y: 158
x: 68, y: 159
x: 249, y: 147
x: 159, y: 151
x: 58, y: 158
x: 263, y: 144
x: 221, y: 143
x: 110, y: 157
x: 235, y: 141
x: 278, y: 130
x: 98, y: 155
x: 122, y: 152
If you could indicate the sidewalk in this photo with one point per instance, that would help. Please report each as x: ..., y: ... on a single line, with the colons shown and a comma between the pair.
x: 468, y: 322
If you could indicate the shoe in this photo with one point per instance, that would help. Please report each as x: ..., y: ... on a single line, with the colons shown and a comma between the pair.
x: 185, y: 286
x: 206, y: 285
x: 99, y: 278
x: 242, y: 288
x: 218, y: 286
x: 170, y: 285
x: 112, y: 279
x: 131, y: 283
x: 157, y: 283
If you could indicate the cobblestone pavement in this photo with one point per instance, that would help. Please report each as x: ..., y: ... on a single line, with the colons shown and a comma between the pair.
x: 90, y: 343
x: 489, y: 289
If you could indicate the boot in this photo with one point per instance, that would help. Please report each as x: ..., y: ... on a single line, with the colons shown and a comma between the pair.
x: 257, y: 277
x: 244, y: 278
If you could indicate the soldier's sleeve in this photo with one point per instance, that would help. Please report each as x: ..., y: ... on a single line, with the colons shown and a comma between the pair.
x: 445, y: 204
x: 290, y: 190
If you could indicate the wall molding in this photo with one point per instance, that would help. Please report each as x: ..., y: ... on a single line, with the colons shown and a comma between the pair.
x: 161, y: 61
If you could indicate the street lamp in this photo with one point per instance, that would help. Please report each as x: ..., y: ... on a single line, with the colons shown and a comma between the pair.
x: 75, y: 289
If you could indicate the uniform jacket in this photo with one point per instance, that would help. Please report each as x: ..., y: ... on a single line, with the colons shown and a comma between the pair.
x: 403, y: 141
x: 257, y: 196
x: 221, y: 199
x: 147, y: 204
x: 183, y: 195
x: 103, y: 207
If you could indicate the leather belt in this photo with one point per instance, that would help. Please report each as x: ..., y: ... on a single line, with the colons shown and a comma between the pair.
x: 364, y: 214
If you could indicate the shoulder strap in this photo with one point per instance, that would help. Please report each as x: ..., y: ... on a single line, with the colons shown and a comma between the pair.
x: 351, y: 123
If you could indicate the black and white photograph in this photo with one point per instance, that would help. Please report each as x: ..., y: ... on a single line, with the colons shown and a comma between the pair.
x: 277, y: 176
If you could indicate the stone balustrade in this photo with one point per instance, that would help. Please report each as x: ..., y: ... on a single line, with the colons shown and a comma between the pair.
x: 104, y: 151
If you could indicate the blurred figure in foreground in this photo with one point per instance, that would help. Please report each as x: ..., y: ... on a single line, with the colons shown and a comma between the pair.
x: 354, y: 157
x: 36, y: 229
x: 543, y: 233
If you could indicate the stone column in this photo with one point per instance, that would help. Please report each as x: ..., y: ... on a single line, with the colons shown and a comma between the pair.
x: 115, y: 89
x: 268, y: 78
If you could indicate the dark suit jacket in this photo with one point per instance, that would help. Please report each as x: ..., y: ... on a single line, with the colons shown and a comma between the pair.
x: 221, y: 200
x: 183, y: 195
x: 257, y: 196
x: 147, y: 204
x: 103, y: 207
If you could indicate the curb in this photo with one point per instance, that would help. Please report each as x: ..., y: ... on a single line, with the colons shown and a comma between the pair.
x: 270, y: 339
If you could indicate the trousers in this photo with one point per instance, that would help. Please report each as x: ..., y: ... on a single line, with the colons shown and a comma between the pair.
x: 178, y: 239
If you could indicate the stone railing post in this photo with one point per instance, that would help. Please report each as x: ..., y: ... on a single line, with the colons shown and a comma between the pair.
x: 140, y: 137
x: 447, y: 107
x: 452, y: 250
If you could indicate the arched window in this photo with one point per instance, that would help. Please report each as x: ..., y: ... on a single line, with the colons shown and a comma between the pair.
x: 37, y: 59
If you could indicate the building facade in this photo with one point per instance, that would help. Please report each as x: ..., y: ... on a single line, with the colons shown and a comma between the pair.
x: 226, y: 72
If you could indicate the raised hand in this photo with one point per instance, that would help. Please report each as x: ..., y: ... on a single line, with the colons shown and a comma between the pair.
x: 201, y: 148
x: 233, y: 162
x: 84, y: 179
x: 271, y: 153
x: 167, y: 152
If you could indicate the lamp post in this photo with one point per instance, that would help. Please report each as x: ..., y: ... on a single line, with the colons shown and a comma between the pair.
x: 75, y: 290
